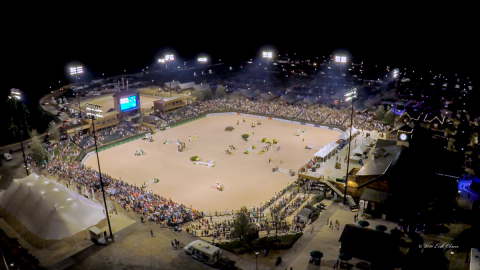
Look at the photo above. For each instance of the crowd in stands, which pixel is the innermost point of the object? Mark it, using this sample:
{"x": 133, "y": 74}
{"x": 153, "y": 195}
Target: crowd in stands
{"x": 316, "y": 114}
{"x": 130, "y": 197}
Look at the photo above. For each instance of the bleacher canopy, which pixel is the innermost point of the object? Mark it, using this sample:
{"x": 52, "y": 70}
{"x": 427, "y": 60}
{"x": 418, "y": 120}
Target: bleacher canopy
{"x": 359, "y": 149}
{"x": 48, "y": 209}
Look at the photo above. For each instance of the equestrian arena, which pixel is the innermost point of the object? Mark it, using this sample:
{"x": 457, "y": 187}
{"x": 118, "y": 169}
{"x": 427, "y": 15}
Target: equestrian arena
{"x": 246, "y": 179}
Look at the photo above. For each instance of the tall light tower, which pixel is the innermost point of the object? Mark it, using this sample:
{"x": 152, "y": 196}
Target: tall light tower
{"x": 169, "y": 58}
{"x": 202, "y": 60}
{"x": 75, "y": 71}
{"x": 268, "y": 55}
{"x": 93, "y": 112}
{"x": 341, "y": 61}
{"x": 396, "y": 77}
{"x": 16, "y": 95}
{"x": 351, "y": 95}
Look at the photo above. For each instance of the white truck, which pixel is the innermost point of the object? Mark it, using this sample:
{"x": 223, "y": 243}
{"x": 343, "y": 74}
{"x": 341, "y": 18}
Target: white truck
{"x": 204, "y": 252}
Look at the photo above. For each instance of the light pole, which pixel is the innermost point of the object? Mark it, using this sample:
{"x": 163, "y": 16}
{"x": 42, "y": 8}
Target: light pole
{"x": 268, "y": 55}
{"x": 203, "y": 60}
{"x": 256, "y": 260}
{"x": 75, "y": 71}
{"x": 16, "y": 95}
{"x": 341, "y": 61}
{"x": 351, "y": 95}
{"x": 451, "y": 254}
{"x": 94, "y": 108}
{"x": 169, "y": 58}
{"x": 396, "y": 73}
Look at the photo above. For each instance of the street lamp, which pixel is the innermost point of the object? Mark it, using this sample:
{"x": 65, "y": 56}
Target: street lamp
{"x": 75, "y": 71}
{"x": 16, "y": 95}
{"x": 256, "y": 260}
{"x": 351, "y": 95}
{"x": 94, "y": 114}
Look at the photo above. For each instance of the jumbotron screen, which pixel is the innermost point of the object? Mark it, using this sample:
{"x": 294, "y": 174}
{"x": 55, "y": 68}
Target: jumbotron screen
{"x": 127, "y": 103}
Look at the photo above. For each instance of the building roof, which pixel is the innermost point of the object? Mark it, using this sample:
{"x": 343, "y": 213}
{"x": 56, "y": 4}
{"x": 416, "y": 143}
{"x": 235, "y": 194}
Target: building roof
{"x": 366, "y": 244}
{"x": 289, "y": 98}
{"x": 267, "y": 96}
{"x": 174, "y": 84}
{"x": 201, "y": 87}
{"x": 186, "y": 85}
{"x": 380, "y": 165}
{"x": 310, "y": 100}
{"x": 373, "y": 195}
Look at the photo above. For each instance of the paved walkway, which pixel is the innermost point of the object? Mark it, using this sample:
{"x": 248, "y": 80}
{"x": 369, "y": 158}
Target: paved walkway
{"x": 324, "y": 239}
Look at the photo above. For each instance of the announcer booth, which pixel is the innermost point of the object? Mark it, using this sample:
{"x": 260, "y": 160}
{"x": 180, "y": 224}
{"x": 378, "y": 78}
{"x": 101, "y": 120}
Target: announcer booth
{"x": 127, "y": 103}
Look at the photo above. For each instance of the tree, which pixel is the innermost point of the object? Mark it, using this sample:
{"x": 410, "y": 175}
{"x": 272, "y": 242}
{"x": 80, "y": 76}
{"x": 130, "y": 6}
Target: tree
{"x": 53, "y": 131}
{"x": 36, "y": 147}
{"x": 380, "y": 113}
{"x": 241, "y": 225}
{"x": 245, "y": 137}
{"x": 388, "y": 118}
{"x": 207, "y": 93}
{"x": 220, "y": 92}
{"x": 198, "y": 95}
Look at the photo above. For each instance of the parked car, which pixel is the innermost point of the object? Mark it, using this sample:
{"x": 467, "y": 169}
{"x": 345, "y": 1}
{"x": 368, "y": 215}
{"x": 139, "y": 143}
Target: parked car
{"x": 7, "y": 156}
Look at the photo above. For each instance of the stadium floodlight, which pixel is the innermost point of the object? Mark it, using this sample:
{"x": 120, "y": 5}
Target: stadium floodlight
{"x": 267, "y": 54}
{"x": 351, "y": 95}
{"x": 95, "y": 108}
{"x": 395, "y": 73}
{"x": 161, "y": 60}
{"x": 76, "y": 70}
{"x": 16, "y": 95}
{"x": 169, "y": 58}
{"x": 202, "y": 59}
{"x": 340, "y": 59}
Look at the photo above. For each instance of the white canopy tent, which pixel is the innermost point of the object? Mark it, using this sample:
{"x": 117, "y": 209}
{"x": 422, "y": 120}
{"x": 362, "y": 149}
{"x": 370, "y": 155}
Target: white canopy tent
{"x": 322, "y": 153}
{"x": 343, "y": 136}
{"x": 359, "y": 150}
{"x": 368, "y": 141}
{"x": 48, "y": 209}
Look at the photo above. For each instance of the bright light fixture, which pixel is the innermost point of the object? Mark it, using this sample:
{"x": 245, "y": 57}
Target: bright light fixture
{"x": 169, "y": 57}
{"x": 76, "y": 70}
{"x": 202, "y": 59}
{"x": 340, "y": 59}
{"x": 268, "y": 55}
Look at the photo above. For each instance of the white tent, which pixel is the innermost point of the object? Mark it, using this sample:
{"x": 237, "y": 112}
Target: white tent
{"x": 322, "y": 153}
{"x": 348, "y": 131}
{"x": 359, "y": 149}
{"x": 48, "y": 209}
{"x": 368, "y": 141}
{"x": 343, "y": 136}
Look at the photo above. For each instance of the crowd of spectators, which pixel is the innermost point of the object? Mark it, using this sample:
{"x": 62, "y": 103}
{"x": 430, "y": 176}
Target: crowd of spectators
{"x": 316, "y": 114}
{"x": 138, "y": 199}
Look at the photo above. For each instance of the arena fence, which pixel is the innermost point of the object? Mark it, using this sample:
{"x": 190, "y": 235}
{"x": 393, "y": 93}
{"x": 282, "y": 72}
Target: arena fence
{"x": 84, "y": 154}
{"x": 259, "y": 115}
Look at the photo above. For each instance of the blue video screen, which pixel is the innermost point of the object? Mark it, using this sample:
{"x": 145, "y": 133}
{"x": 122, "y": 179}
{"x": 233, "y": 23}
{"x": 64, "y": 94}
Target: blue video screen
{"x": 127, "y": 103}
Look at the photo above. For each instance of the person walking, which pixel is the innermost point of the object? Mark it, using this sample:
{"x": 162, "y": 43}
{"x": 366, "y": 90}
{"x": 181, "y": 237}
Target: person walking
{"x": 151, "y": 233}
{"x": 270, "y": 160}
{"x": 264, "y": 253}
{"x": 173, "y": 246}
{"x": 141, "y": 219}
{"x": 311, "y": 230}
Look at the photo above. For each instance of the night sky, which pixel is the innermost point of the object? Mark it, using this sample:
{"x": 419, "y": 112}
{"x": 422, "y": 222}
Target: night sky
{"x": 39, "y": 42}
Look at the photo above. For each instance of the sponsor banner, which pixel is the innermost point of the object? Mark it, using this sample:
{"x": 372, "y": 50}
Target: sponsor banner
{"x": 303, "y": 124}
{"x": 167, "y": 128}
{"x": 309, "y": 125}
{"x": 330, "y": 128}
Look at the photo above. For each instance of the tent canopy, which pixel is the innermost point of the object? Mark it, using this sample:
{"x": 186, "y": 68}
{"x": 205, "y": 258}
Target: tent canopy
{"x": 368, "y": 141}
{"x": 359, "y": 150}
{"x": 48, "y": 209}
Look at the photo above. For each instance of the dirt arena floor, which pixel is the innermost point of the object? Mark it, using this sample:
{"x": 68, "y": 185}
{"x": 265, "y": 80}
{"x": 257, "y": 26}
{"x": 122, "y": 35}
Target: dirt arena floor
{"x": 247, "y": 179}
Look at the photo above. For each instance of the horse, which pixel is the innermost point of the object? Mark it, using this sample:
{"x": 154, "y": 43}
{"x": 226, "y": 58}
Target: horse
{"x": 228, "y": 152}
